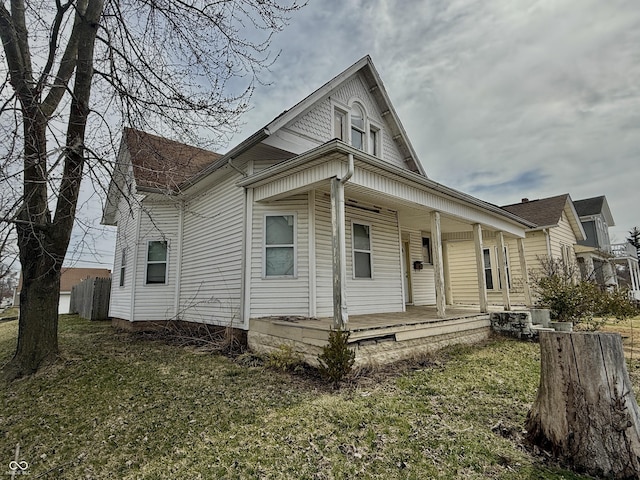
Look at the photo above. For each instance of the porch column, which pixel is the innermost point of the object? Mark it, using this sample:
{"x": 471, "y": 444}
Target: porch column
{"x": 502, "y": 266}
{"x": 525, "y": 273}
{"x": 438, "y": 268}
{"x": 482, "y": 281}
{"x": 339, "y": 254}
{"x": 448, "y": 293}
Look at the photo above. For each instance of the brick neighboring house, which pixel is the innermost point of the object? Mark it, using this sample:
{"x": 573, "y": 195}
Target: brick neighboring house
{"x": 69, "y": 278}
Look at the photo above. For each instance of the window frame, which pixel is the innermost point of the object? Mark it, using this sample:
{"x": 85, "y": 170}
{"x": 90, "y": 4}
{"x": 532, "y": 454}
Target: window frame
{"x": 359, "y": 250}
{"x": 294, "y": 275}
{"x": 488, "y": 269}
{"x": 427, "y": 259}
{"x": 123, "y": 266}
{"x": 343, "y": 112}
{"x": 157, "y": 262}
{"x": 506, "y": 261}
{"x": 362, "y": 131}
{"x": 374, "y": 146}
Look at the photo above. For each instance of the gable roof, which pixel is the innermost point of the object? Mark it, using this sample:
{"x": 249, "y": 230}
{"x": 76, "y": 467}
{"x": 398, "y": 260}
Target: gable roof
{"x": 547, "y": 212}
{"x": 162, "y": 164}
{"x": 71, "y": 276}
{"x": 379, "y": 93}
{"x": 543, "y": 212}
{"x": 595, "y": 206}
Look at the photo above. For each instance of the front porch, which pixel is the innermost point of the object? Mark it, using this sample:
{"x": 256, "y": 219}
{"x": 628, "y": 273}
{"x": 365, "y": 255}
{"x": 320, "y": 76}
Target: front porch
{"x": 376, "y": 338}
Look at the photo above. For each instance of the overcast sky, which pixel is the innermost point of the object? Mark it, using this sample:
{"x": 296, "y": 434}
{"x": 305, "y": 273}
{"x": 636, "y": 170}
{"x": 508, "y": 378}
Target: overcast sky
{"x": 502, "y": 99}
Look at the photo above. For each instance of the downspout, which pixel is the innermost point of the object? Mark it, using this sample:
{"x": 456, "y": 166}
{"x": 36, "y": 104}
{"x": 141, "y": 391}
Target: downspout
{"x": 176, "y": 305}
{"x": 350, "y": 168}
{"x": 229, "y": 162}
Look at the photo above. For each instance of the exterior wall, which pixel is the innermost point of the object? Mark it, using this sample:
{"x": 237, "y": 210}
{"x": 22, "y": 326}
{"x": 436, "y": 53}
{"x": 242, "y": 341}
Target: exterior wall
{"x": 316, "y": 124}
{"x": 127, "y": 219}
{"x": 211, "y": 273}
{"x": 462, "y": 263}
{"x": 422, "y": 281}
{"x": 280, "y": 296}
{"x": 158, "y": 221}
{"x": 382, "y": 293}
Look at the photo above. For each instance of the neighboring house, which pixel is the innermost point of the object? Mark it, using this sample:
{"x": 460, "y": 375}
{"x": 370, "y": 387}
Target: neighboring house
{"x": 324, "y": 212}
{"x": 557, "y": 229}
{"x": 68, "y": 279}
{"x": 597, "y": 256}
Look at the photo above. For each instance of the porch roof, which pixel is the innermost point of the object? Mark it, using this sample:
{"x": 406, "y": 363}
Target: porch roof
{"x": 382, "y": 183}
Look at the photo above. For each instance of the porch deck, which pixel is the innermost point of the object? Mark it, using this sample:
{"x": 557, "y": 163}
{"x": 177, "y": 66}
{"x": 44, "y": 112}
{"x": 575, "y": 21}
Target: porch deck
{"x": 376, "y": 338}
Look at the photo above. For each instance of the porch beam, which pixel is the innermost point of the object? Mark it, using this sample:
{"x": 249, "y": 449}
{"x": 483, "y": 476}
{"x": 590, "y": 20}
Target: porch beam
{"x": 339, "y": 254}
{"x": 438, "y": 265}
{"x": 482, "y": 282}
{"x": 525, "y": 273}
{"x": 502, "y": 266}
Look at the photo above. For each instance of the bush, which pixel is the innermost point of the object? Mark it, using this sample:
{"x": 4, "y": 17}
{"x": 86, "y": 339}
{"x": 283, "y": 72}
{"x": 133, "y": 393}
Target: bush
{"x": 336, "y": 359}
{"x": 285, "y": 359}
{"x": 583, "y": 303}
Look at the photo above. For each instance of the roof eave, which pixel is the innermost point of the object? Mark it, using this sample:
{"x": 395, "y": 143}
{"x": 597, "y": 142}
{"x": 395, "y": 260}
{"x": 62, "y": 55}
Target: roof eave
{"x": 341, "y": 147}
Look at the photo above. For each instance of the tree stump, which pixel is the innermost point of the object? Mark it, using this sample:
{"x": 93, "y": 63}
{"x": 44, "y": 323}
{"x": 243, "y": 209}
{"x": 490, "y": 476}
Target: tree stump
{"x": 585, "y": 413}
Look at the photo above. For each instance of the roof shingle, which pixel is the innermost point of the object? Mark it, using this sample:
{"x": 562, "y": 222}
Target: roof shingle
{"x": 543, "y": 212}
{"x": 163, "y": 164}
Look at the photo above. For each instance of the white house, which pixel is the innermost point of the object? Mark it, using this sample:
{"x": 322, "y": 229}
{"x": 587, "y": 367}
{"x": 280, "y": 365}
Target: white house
{"x": 324, "y": 212}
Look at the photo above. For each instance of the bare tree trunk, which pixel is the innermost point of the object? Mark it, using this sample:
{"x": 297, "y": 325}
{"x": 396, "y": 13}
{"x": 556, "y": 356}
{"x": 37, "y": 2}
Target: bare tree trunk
{"x": 585, "y": 412}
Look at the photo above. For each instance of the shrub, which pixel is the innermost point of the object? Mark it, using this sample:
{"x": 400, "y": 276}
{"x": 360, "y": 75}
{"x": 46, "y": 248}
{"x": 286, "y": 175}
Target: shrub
{"x": 284, "y": 358}
{"x": 336, "y": 359}
{"x": 584, "y": 303}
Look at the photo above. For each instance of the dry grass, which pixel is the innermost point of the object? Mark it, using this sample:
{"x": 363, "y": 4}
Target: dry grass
{"x": 118, "y": 406}
{"x": 630, "y": 331}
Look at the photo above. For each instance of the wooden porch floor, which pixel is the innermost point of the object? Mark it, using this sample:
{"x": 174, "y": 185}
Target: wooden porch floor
{"x": 380, "y": 337}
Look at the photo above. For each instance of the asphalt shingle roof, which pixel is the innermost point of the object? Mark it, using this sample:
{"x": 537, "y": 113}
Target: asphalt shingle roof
{"x": 589, "y": 206}
{"x": 543, "y": 212}
{"x": 164, "y": 164}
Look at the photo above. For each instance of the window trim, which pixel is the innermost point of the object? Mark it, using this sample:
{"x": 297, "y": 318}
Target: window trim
{"x": 343, "y": 110}
{"x": 359, "y": 250}
{"x": 123, "y": 266}
{"x": 425, "y": 260}
{"x": 374, "y": 148}
{"x": 362, "y": 131}
{"x": 264, "y": 246}
{"x": 507, "y": 264}
{"x": 489, "y": 268}
{"x": 155, "y": 262}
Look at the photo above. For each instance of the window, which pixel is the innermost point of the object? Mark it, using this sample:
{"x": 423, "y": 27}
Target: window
{"x": 357, "y": 127}
{"x": 426, "y": 250}
{"x": 361, "y": 251}
{"x": 488, "y": 273}
{"x": 123, "y": 265}
{"x": 339, "y": 124}
{"x": 506, "y": 262}
{"x": 373, "y": 142}
{"x": 279, "y": 252}
{"x": 157, "y": 262}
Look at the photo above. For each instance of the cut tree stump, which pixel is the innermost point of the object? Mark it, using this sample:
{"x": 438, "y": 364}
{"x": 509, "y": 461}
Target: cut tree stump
{"x": 585, "y": 413}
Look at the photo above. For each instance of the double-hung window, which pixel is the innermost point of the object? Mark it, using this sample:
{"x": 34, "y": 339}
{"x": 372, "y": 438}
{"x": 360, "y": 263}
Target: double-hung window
{"x": 488, "y": 272}
{"x": 157, "y": 262}
{"x": 357, "y": 127}
{"x": 339, "y": 124}
{"x": 279, "y": 246}
{"x": 361, "y": 251}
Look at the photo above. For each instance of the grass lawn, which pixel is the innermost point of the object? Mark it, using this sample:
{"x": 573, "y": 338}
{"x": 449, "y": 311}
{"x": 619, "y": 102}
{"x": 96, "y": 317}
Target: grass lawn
{"x": 118, "y": 406}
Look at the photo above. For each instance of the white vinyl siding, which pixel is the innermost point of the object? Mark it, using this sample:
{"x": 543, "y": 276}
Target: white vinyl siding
{"x": 283, "y": 295}
{"x": 422, "y": 281}
{"x": 158, "y": 221}
{"x": 210, "y": 288}
{"x": 127, "y": 220}
{"x": 318, "y": 124}
{"x": 382, "y": 293}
